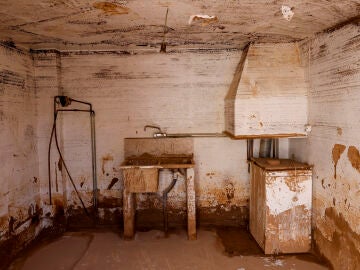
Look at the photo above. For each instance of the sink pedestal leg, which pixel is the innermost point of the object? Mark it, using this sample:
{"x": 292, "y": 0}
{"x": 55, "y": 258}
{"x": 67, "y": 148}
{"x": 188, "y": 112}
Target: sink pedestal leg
{"x": 191, "y": 206}
{"x": 129, "y": 214}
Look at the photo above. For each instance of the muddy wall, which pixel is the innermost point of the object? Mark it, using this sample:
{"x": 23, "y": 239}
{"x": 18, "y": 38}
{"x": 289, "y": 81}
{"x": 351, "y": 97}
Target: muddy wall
{"x": 333, "y": 75}
{"x": 20, "y": 206}
{"x": 183, "y": 92}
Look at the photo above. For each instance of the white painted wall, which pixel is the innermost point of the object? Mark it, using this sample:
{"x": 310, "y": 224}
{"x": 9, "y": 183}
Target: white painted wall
{"x": 19, "y": 176}
{"x": 181, "y": 92}
{"x": 333, "y": 74}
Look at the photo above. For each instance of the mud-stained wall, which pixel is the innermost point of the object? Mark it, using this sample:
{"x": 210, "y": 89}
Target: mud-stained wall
{"x": 182, "y": 92}
{"x": 20, "y": 206}
{"x": 333, "y": 145}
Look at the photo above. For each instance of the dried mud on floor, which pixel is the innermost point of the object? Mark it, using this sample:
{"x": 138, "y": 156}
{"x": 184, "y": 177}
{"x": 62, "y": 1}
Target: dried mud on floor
{"x": 227, "y": 248}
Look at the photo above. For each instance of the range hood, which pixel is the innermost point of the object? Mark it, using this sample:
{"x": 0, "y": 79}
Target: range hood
{"x": 268, "y": 94}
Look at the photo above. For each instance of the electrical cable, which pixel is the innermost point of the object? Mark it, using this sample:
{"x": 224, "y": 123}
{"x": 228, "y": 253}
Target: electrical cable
{"x": 49, "y": 153}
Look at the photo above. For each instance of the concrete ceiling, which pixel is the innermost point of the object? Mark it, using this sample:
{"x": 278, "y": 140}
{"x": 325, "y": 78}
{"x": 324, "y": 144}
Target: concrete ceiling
{"x": 123, "y": 25}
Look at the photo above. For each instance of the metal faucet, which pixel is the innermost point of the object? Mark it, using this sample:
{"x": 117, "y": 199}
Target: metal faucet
{"x": 158, "y": 134}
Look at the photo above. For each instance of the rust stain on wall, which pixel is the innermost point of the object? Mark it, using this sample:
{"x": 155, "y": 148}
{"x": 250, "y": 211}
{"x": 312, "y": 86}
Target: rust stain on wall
{"x": 354, "y": 157}
{"x": 111, "y": 8}
{"x": 105, "y": 159}
{"x": 337, "y": 151}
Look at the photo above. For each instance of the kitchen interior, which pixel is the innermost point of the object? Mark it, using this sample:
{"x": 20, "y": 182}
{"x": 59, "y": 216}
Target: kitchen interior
{"x": 180, "y": 134}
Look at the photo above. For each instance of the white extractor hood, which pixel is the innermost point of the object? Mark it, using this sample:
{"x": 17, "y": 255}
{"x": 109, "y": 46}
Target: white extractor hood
{"x": 268, "y": 94}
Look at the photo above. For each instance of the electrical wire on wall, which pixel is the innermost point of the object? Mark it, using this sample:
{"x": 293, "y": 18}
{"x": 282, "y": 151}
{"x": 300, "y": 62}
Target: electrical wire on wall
{"x": 65, "y": 101}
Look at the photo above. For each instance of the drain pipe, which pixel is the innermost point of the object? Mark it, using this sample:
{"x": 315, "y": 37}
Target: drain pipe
{"x": 265, "y": 148}
{"x": 165, "y": 193}
{"x": 250, "y": 152}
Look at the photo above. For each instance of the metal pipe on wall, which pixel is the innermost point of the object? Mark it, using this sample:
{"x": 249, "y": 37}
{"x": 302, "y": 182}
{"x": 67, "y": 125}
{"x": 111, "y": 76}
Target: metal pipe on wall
{"x": 265, "y": 148}
{"x": 66, "y": 101}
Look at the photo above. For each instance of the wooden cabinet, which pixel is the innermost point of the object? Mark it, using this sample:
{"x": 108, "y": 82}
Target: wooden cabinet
{"x": 280, "y": 205}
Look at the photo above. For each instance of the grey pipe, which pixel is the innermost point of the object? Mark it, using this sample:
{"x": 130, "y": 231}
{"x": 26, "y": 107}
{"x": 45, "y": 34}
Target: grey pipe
{"x": 93, "y": 155}
{"x": 265, "y": 148}
{"x": 165, "y": 193}
{"x": 183, "y": 135}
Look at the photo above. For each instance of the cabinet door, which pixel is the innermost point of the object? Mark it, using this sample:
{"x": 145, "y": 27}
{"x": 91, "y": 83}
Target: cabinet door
{"x": 288, "y": 216}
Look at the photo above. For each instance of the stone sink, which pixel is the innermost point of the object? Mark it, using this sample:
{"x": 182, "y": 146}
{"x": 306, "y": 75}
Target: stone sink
{"x": 141, "y": 173}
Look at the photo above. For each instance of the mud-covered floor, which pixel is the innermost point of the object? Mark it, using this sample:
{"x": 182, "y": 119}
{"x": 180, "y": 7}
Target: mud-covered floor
{"x": 227, "y": 248}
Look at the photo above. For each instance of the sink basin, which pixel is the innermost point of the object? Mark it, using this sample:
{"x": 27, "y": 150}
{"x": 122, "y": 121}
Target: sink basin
{"x": 141, "y": 173}
{"x": 163, "y": 161}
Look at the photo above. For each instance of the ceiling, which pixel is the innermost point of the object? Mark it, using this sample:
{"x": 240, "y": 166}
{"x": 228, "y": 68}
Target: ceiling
{"x": 123, "y": 25}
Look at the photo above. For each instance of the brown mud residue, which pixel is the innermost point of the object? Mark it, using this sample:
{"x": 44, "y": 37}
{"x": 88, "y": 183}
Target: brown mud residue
{"x": 354, "y": 157}
{"x": 337, "y": 151}
{"x": 289, "y": 231}
{"x": 111, "y": 8}
{"x": 105, "y": 159}
{"x": 223, "y": 215}
{"x": 294, "y": 183}
{"x": 236, "y": 242}
{"x": 20, "y": 243}
{"x": 339, "y": 131}
{"x": 149, "y": 219}
{"x": 4, "y": 223}
{"x": 341, "y": 249}
{"x": 109, "y": 201}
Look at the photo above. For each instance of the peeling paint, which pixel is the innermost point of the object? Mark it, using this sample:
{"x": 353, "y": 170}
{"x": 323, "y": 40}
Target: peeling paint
{"x": 287, "y": 12}
{"x": 202, "y": 19}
